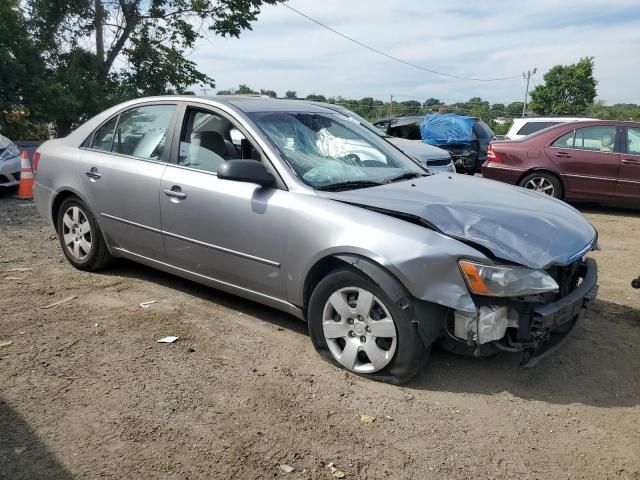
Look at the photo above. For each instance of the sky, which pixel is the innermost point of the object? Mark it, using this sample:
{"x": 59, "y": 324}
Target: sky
{"x": 483, "y": 39}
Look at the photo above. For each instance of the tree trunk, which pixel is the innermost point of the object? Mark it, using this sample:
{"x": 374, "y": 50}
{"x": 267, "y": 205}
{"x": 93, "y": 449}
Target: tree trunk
{"x": 99, "y": 33}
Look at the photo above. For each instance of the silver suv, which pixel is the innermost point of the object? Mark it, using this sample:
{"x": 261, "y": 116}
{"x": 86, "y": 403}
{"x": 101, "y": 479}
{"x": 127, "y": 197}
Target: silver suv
{"x": 300, "y": 207}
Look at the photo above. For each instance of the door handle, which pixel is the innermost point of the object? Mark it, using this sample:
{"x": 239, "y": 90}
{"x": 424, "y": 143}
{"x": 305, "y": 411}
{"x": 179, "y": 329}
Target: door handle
{"x": 92, "y": 173}
{"x": 175, "y": 192}
{"x": 562, "y": 155}
{"x": 631, "y": 161}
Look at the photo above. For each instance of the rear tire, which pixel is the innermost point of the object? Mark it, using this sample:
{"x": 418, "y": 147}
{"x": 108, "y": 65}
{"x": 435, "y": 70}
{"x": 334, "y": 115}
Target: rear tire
{"x": 543, "y": 182}
{"x": 349, "y": 340}
{"x": 80, "y": 236}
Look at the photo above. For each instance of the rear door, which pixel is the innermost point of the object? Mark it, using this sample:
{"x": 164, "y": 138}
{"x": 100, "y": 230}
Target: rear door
{"x": 121, "y": 166}
{"x": 588, "y": 161}
{"x": 629, "y": 178}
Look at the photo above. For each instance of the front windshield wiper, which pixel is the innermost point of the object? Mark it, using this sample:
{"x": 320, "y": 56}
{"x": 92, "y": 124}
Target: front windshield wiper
{"x": 407, "y": 176}
{"x": 348, "y": 185}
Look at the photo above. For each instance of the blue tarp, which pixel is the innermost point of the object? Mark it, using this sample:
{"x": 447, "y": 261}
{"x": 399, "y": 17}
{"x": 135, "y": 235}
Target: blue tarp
{"x": 446, "y": 129}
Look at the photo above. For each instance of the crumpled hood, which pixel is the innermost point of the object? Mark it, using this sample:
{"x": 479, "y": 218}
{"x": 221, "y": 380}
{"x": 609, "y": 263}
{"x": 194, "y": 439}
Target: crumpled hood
{"x": 515, "y": 224}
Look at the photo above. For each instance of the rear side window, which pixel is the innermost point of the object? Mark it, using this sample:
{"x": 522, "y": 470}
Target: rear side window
{"x": 599, "y": 139}
{"x": 533, "y": 127}
{"x": 103, "y": 139}
{"x": 140, "y": 132}
{"x": 633, "y": 141}
{"x": 482, "y": 130}
{"x": 408, "y": 131}
{"x": 565, "y": 141}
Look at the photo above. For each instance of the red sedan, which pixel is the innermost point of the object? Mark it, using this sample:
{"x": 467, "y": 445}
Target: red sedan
{"x": 595, "y": 160}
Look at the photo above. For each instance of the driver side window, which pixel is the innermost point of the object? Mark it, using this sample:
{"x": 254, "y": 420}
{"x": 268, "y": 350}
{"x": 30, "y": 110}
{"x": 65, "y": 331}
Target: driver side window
{"x": 209, "y": 139}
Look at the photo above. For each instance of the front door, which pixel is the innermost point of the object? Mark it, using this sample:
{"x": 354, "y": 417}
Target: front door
{"x": 588, "y": 161}
{"x": 229, "y": 231}
{"x": 121, "y": 169}
{"x": 629, "y": 179}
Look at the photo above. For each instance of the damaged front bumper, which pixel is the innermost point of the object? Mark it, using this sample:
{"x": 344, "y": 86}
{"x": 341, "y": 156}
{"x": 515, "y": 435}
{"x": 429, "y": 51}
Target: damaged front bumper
{"x": 535, "y": 326}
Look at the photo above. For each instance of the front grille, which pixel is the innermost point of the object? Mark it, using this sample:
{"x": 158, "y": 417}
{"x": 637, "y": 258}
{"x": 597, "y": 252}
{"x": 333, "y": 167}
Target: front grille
{"x": 439, "y": 163}
{"x": 566, "y": 277}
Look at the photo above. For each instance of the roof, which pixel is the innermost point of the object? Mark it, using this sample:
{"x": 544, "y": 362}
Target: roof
{"x": 256, "y": 103}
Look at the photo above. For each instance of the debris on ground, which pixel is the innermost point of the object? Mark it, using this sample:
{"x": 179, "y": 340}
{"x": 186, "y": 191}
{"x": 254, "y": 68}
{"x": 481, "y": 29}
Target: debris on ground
{"x": 18, "y": 269}
{"x": 286, "y": 468}
{"x": 335, "y": 472}
{"x": 147, "y": 304}
{"x": 169, "y": 339}
{"x": 59, "y": 302}
{"x": 5, "y": 343}
{"x": 367, "y": 419}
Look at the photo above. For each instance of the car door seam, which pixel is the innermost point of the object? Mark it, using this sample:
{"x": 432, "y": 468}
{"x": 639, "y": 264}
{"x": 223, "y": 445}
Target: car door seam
{"x": 236, "y": 253}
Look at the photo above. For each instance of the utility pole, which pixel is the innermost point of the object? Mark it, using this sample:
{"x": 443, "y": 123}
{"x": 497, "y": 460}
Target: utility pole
{"x": 204, "y": 91}
{"x": 390, "y": 105}
{"x": 527, "y": 77}
{"x": 99, "y": 36}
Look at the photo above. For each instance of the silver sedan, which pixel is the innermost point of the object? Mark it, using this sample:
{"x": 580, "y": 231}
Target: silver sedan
{"x": 302, "y": 208}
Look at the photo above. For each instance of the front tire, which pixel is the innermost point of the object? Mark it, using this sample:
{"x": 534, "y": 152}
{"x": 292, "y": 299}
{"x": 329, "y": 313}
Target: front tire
{"x": 354, "y": 324}
{"x": 80, "y": 236}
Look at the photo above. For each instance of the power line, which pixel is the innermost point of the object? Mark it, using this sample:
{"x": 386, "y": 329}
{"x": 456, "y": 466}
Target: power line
{"x": 396, "y": 58}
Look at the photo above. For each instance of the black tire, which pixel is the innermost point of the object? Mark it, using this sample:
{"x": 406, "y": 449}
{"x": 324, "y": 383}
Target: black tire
{"x": 549, "y": 177}
{"x": 410, "y": 352}
{"x": 98, "y": 256}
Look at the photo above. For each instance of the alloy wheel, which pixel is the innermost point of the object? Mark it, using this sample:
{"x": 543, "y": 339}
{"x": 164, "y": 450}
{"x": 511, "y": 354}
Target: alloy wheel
{"x": 540, "y": 184}
{"x": 76, "y": 233}
{"x": 359, "y": 330}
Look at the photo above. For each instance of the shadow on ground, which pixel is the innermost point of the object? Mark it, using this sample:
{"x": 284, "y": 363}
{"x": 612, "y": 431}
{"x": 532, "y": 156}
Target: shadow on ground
{"x": 596, "y": 366}
{"x": 22, "y": 454}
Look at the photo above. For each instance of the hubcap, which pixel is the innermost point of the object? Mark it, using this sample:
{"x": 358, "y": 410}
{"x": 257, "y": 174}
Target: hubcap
{"x": 359, "y": 330}
{"x": 540, "y": 184}
{"x": 76, "y": 233}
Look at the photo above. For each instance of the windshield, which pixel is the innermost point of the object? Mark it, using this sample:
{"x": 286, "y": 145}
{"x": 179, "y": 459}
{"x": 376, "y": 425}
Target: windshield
{"x": 327, "y": 150}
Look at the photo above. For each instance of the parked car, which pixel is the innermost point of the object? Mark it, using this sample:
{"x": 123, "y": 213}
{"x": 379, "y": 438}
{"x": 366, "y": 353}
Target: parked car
{"x": 595, "y": 160}
{"x": 468, "y": 150}
{"x": 10, "y": 163}
{"x": 433, "y": 158}
{"x": 257, "y": 197}
{"x": 521, "y": 127}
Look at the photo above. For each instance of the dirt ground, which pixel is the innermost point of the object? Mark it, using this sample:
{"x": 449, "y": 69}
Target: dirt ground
{"x": 87, "y": 392}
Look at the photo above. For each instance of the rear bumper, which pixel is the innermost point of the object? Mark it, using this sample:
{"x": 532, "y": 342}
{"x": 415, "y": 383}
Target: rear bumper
{"x": 501, "y": 173}
{"x": 553, "y": 323}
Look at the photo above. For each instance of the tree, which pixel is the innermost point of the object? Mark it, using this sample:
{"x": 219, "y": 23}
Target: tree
{"x": 514, "y": 109}
{"x": 290, "y": 94}
{"x": 316, "y": 98}
{"x": 144, "y": 53}
{"x": 432, "y": 102}
{"x": 270, "y": 93}
{"x": 567, "y": 89}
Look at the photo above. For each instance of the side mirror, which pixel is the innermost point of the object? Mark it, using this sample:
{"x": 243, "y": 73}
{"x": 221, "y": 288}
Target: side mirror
{"x": 250, "y": 171}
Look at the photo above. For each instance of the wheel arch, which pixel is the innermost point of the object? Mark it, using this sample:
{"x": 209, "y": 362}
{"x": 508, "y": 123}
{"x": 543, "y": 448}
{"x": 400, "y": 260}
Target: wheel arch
{"x": 60, "y": 197}
{"x": 372, "y": 269}
{"x": 547, "y": 171}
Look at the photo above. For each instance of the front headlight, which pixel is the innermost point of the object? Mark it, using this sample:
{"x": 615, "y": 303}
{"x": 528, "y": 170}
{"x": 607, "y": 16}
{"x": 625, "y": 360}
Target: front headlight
{"x": 11, "y": 151}
{"x": 505, "y": 281}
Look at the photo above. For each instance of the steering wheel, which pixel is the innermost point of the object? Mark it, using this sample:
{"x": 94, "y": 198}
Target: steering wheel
{"x": 352, "y": 159}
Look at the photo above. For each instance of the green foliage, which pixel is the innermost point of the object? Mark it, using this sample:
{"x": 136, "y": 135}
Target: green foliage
{"x": 290, "y": 94}
{"x": 70, "y": 78}
{"x": 514, "y": 109}
{"x": 618, "y": 111}
{"x": 568, "y": 90}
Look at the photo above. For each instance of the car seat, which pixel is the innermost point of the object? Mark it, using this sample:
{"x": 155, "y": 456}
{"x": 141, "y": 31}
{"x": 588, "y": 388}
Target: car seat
{"x": 212, "y": 141}
{"x": 606, "y": 143}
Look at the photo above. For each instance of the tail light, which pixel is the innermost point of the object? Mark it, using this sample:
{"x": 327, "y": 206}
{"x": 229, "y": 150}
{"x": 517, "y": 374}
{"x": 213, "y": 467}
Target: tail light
{"x": 36, "y": 161}
{"x": 491, "y": 154}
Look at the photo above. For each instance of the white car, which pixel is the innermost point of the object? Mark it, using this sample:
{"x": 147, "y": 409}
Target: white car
{"x": 521, "y": 127}
{"x": 9, "y": 163}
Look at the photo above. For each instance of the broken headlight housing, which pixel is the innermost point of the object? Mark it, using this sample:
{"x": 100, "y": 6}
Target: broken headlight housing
{"x": 505, "y": 280}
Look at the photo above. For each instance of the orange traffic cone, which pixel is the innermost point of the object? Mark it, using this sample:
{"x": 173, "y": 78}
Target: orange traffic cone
{"x": 25, "y": 190}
